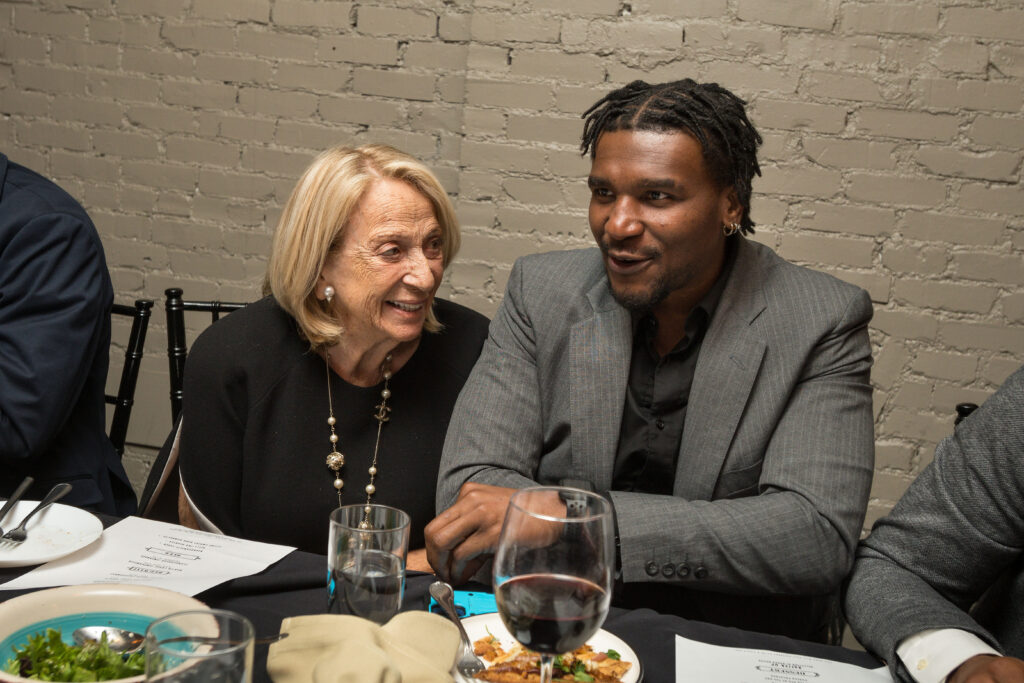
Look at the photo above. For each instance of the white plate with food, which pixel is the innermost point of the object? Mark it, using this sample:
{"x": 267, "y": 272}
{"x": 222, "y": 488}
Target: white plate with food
{"x": 57, "y": 531}
{"x": 486, "y": 625}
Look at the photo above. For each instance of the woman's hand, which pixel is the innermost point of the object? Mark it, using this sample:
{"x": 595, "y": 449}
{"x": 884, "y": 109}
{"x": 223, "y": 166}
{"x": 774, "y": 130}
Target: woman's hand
{"x": 416, "y": 561}
{"x": 185, "y": 516}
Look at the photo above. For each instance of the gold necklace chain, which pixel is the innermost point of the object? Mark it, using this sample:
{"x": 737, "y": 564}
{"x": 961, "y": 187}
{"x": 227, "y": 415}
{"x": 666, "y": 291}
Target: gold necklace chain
{"x": 335, "y": 460}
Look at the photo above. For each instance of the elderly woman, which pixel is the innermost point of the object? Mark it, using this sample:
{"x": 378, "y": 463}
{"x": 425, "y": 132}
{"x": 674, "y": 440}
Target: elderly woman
{"x": 336, "y": 388}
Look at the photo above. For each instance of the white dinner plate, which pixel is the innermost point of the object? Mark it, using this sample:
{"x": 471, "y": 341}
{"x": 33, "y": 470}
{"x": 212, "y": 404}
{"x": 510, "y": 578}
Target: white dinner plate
{"x": 55, "y": 532}
{"x": 482, "y": 625}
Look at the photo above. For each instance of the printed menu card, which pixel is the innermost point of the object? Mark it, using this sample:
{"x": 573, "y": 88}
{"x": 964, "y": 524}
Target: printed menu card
{"x": 696, "y": 661}
{"x": 146, "y": 552}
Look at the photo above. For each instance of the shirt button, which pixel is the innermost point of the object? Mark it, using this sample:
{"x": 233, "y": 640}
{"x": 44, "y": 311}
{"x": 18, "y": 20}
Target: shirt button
{"x": 651, "y": 568}
{"x": 700, "y": 572}
{"x": 660, "y": 424}
{"x": 668, "y": 571}
{"x": 683, "y": 570}
{"x": 922, "y": 664}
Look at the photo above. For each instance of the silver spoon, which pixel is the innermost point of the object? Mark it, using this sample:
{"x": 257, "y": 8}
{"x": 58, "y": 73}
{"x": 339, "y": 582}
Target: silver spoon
{"x": 119, "y": 639}
{"x": 126, "y": 642}
{"x": 468, "y": 664}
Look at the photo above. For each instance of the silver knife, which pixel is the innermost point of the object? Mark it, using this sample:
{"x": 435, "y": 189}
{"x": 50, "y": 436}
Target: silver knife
{"x": 15, "y": 497}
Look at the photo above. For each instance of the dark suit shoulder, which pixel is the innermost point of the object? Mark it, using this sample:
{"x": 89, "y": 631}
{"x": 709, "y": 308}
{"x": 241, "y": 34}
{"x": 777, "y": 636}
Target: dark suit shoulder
{"x": 31, "y": 193}
{"x": 570, "y": 267}
{"x": 563, "y": 276}
{"x": 807, "y": 292}
{"x": 991, "y": 439}
{"x": 784, "y": 273}
{"x": 34, "y": 208}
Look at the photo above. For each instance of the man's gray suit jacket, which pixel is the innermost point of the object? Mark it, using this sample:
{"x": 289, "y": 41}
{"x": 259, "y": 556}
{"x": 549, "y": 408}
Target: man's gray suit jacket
{"x": 777, "y": 452}
{"x": 955, "y": 540}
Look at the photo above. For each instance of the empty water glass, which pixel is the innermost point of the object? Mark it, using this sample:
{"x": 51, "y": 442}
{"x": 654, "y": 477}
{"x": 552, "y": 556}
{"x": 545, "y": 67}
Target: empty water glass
{"x": 200, "y": 645}
{"x": 366, "y": 561}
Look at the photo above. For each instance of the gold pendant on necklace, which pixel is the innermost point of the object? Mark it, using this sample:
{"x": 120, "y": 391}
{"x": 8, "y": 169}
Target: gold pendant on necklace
{"x": 335, "y": 460}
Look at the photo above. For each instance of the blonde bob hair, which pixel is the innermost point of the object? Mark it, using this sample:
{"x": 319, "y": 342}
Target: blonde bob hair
{"x": 314, "y": 220}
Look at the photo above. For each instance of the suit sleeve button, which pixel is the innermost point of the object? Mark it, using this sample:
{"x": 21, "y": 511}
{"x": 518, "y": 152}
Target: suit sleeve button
{"x": 683, "y": 570}
{"x": 700, "y": 572}
{"x": 668, "y": 571}
{"x": 651, "y": 568}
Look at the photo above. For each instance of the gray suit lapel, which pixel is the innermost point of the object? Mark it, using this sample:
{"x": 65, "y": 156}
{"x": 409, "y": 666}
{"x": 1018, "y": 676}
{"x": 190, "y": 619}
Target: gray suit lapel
{"x": 730, "y": 357}
{"x": 599, "y": 354}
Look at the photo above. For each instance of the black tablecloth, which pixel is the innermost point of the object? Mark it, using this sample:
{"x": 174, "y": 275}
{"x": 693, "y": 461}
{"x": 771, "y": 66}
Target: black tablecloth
{"x": 296, "y": 585}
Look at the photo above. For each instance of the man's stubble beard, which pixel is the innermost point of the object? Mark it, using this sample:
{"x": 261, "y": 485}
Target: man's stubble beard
{"x": 641, "y": 301}
{"x": 645, "y": 300}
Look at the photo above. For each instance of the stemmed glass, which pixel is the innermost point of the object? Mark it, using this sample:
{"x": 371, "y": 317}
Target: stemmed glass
{"x": 553, "y": 569}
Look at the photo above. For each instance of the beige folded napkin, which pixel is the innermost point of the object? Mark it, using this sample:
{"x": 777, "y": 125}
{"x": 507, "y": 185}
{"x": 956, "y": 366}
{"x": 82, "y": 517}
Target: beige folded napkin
{"x": 414, "y": 647}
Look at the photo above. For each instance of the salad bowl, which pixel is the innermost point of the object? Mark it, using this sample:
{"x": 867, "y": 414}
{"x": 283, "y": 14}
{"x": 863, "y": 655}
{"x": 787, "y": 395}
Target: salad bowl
{"x": 70, "y": 607}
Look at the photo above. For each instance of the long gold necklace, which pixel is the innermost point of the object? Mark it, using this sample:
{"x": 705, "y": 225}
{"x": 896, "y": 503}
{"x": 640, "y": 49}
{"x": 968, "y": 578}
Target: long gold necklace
{"x": 335, "y": 460}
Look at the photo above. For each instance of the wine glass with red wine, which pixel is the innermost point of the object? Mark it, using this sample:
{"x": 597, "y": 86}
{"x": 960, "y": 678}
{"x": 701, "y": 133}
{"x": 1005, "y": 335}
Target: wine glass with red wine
{"x": 553, "y": 569}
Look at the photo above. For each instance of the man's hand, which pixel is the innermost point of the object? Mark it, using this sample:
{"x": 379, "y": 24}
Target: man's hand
{"x": 989, "y": 669}
{"x": 463, "y": 537}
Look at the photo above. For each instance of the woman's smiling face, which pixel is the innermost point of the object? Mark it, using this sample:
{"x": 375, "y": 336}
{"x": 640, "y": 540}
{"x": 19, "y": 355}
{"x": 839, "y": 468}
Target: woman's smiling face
{"x": 388, "y": 265}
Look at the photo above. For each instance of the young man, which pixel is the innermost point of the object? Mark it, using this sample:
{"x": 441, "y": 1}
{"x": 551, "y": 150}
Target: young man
{"x": 717, "y": 394}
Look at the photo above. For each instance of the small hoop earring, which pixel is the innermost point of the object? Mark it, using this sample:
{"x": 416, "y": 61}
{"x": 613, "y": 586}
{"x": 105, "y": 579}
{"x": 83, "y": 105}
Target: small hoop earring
{"x": 731, "y": 229}
{"x": 329, "y": 293}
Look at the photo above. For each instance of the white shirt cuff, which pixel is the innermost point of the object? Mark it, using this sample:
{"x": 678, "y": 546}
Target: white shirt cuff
{"x": 931, "y": 655}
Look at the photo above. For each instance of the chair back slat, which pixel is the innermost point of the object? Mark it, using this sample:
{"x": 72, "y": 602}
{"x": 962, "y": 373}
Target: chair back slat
{"x": 177, "y": 347}
{"x": 124, "y": 400}
{"x": 963, "y": 410}
{"x": 160, "y": 495}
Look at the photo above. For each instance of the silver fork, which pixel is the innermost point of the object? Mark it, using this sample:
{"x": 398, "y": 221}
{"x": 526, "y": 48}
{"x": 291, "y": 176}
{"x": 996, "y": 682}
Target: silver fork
{"x": 18, "y": 533}
{"x": 468, "y": 664}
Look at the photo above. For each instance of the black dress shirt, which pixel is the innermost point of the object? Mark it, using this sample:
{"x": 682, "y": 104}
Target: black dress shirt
{"x": 657, "y": 395}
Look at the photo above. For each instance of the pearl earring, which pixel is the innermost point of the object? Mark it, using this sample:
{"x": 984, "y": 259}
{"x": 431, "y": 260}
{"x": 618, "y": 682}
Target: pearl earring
{"x": 328, "y": 293}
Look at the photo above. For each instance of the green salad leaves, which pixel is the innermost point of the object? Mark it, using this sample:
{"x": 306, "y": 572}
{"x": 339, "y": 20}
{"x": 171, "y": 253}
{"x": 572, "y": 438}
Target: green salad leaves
{"x": 47, "y": 658}
{"x": 578, "y": 669}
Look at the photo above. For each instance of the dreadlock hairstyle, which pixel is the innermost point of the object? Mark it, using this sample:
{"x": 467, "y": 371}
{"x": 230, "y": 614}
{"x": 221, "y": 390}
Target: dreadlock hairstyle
{"x": 707, "y": 111}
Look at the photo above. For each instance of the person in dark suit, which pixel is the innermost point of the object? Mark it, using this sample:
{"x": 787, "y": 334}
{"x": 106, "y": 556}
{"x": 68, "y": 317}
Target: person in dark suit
{"x": 717, "y": 394}
{"x": 938, "y": 587}
{"x": 55, "y": 299}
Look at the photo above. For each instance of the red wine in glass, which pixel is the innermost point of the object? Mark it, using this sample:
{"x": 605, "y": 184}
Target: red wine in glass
{"x": 551, "y": 613}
